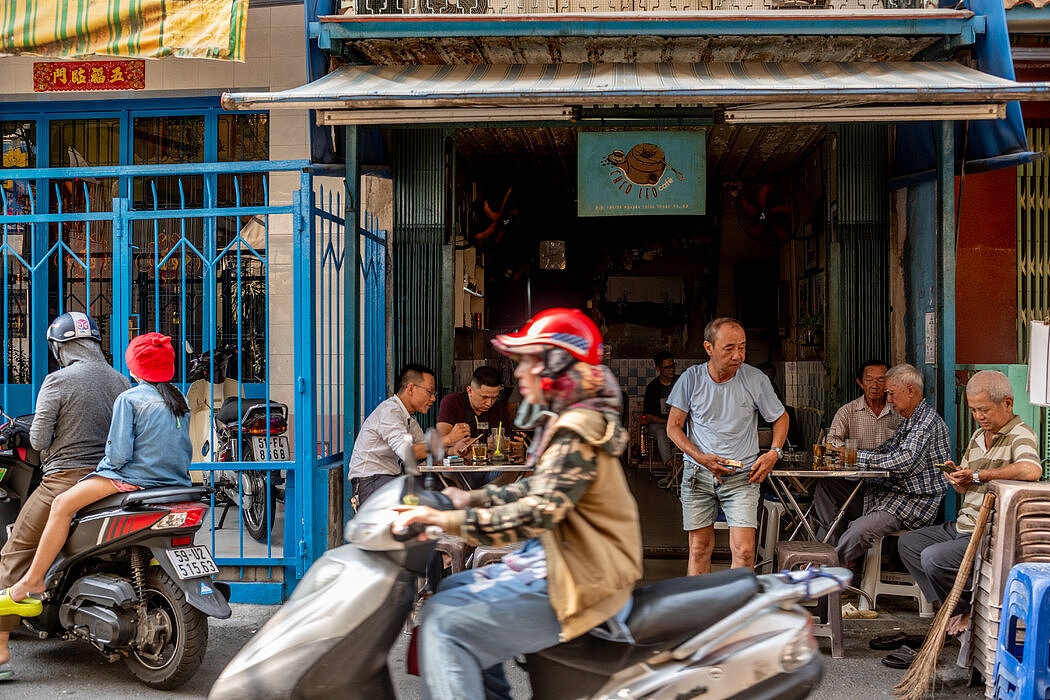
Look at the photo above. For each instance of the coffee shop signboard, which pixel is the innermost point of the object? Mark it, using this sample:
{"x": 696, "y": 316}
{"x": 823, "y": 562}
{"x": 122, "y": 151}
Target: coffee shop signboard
{"x": 626, "y": 173}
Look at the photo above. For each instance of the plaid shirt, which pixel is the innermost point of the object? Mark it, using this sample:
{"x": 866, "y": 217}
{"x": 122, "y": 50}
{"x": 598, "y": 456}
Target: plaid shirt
{"x": 856, "y": 420}
{"x": 915, "y": 488}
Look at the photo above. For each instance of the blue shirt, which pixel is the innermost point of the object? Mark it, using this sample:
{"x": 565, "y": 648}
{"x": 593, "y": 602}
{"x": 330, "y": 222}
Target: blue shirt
{"x": 147, "y": 445}
{"x": 724, "y": 416}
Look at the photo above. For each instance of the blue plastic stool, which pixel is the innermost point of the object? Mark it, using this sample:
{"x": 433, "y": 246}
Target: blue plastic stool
{"x": 1022, "y": 666}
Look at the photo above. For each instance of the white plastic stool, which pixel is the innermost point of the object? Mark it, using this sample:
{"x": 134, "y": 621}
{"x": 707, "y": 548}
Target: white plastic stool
{"x": 770, "y": 534}
{"x": 875, "y": 581}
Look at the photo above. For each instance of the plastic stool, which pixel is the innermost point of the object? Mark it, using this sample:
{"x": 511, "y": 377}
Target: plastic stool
{"x": 1022, "y": 657}
{"x": 456, "y": 549}
{"x": 875, "y": 581}
{"x": 484, "y": 554}
{"x": 770, "y": 533}
{"x": 791, "y": 555}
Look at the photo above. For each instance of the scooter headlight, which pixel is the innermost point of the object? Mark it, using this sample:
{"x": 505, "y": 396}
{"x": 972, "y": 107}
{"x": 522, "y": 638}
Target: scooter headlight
{"x": 800, "y": 650}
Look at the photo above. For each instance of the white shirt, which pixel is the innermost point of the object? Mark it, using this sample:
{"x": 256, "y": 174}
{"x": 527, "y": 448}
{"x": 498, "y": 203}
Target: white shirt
{"x": 381, "y": 438}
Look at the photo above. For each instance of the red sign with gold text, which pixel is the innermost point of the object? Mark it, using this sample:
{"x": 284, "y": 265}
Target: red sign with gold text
{"x": 52, "y": 76}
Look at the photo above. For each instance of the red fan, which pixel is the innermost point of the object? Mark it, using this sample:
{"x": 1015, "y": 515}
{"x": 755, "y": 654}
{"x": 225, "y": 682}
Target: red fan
{"x": 767, "y": 212}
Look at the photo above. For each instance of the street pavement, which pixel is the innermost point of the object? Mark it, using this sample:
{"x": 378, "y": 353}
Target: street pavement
{"x": 56, "y": 670}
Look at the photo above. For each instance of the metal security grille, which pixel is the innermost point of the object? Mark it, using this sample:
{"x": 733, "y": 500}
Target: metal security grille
{"x": 420, "y": 214}
{"x": 1033, "y": 238}
{"x": 863, "y": 232}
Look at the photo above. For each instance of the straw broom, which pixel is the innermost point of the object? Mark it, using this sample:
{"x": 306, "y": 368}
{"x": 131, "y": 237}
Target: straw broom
{"x": 918, "y": 681}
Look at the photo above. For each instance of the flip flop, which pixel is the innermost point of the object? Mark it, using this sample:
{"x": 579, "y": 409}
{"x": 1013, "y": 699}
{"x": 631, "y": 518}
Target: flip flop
{"x": 6, "y": 674}
{"x": 889, "y": 642}
{"x": 902, "y": 658}
{"x": 29, "y": 607}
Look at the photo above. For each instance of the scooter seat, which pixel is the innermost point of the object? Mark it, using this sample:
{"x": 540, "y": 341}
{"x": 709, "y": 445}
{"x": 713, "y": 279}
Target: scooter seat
{"x": 677, "y": 608}
{"x": 164, "y": 494}
{"x": 228, "y": 412}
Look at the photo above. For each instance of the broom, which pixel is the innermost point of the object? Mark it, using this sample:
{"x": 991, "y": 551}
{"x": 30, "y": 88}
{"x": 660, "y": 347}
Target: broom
{"x": 918, "y": 681}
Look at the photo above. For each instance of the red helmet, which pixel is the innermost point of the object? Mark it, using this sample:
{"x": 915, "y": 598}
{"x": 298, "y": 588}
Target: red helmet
{"x": 569, "y": 329}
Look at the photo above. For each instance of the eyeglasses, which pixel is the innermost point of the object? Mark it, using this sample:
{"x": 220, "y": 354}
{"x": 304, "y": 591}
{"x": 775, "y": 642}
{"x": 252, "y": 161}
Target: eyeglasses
{"x": 432, "y": 392}
{"x": 670, "y": 365}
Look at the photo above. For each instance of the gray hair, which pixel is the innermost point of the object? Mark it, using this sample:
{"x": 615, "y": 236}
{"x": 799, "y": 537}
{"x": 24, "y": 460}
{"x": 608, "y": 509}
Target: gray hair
{"x": 905, "y": 374}
{"x": 711, "y": 329}
{"x": 992, "y": 382}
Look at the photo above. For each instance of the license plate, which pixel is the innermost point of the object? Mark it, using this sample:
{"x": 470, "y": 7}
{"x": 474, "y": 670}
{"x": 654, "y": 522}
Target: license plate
{"x": 278, "y": 448}
{"x": 192, "y": 562}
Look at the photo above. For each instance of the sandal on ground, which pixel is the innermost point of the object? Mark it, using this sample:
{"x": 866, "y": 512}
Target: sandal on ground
{"x": 902, "y": 658}
{"x": 6, "y": 674}
{"x": 895, "y": 640}
{"x": 852, "y": 612}
{"x": 29, "y": 607}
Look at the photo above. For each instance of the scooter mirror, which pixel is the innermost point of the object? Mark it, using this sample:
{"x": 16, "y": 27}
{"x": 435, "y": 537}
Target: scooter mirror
{"x": 435, "y": 447}
{"x": 407, "y": 454}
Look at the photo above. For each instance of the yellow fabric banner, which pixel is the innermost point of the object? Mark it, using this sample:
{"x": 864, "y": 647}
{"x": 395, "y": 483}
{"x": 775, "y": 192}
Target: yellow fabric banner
{"x": 142, "y": 28}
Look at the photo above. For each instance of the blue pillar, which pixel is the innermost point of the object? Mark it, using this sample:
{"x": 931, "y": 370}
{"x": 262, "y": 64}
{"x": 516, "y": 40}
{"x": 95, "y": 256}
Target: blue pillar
{"x": 351, "y": 308}
{"x": 946, "y": 285}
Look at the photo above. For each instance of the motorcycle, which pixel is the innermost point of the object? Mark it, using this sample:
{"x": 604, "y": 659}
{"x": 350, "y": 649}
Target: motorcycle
{"x": 242, "y": 437}
{"x": 129, "y": 580}
{"x": 20, "y": 470}
{"x": 727, "y": 634}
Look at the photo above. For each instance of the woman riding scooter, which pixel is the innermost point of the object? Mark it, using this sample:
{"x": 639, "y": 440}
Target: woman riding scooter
{"x": 582, "y": 553}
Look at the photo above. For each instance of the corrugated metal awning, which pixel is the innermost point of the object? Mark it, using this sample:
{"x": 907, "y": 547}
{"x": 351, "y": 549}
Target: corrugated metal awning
{"x": 709, "y": 84}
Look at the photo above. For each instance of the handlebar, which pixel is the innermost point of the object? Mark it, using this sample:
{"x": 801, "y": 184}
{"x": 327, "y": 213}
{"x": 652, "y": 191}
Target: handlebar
{"x": 404, "y": 534}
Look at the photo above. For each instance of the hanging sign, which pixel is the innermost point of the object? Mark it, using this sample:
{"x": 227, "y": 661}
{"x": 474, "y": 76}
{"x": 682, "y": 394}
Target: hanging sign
{"x": 67, "y": 76}
{"x": 627, "y": 173}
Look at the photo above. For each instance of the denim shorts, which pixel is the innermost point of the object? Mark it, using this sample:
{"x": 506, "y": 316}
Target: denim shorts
{"x": 702, "y": 496}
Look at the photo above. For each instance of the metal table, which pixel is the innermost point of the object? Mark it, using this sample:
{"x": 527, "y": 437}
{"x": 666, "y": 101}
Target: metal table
{"x": 460, "y": 469}
{"x": 779, "y": 477}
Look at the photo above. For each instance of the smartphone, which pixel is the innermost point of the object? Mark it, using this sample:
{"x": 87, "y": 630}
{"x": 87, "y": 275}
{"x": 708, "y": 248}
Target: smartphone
{"x": 946, "y": 468}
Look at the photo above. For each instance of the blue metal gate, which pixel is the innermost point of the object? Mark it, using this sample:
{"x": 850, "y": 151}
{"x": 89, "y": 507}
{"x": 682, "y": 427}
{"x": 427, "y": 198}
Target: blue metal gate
{"x": 373, "y": 275}
{"x": 209, "y": 254}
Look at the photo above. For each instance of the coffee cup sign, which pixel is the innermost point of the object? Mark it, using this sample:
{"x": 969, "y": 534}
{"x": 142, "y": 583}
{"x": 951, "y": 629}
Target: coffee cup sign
{"x": 640, "y": 171}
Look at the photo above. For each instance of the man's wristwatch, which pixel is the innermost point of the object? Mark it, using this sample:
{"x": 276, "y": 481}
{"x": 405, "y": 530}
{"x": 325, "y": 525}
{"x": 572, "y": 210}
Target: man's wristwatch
{"x": 779, "y": 451}
{"x": 976, "y": 478}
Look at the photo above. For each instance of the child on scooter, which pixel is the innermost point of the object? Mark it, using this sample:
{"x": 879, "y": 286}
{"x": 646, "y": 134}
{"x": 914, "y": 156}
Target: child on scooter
{"x": 148, "y": 446}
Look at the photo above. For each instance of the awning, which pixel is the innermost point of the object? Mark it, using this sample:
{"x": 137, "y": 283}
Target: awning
{"x": 144, "y": 28}
{"x": 542, "y": 87}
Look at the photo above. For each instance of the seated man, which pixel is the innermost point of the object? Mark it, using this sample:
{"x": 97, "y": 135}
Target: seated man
{"x": 868, "y": 419}
{"x": 375, "y": 461}
{"x": 655, "y": 405}
{"x": 1003, "y": 447}
{"x": 911, "y": 496}
{"x": 474, "y": 413}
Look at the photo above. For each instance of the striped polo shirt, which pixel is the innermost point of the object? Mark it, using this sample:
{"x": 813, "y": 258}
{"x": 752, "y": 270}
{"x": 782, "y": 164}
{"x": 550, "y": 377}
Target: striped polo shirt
{"x": 1015, "y": 442}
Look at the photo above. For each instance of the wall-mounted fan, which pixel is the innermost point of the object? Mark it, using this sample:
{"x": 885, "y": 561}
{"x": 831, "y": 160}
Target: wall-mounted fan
{"x": 767, "y": 212}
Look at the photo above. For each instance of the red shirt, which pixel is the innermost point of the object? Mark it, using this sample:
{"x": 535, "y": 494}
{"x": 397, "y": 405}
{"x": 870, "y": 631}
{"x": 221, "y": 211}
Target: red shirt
{"x": 455, "y": 408}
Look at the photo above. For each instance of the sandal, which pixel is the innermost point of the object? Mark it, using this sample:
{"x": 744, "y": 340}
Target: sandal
{"x": 6, "y": 674}
{"x": 29, "y": 607}
{"x": 889, "y": 642}
{"x": 902, "y": 658}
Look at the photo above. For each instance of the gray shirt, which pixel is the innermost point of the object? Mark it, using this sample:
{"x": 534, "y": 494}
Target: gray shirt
{"x": 724, "y": 415}
{"x": 74, "y": 408}
{"x": 381, "y": 438}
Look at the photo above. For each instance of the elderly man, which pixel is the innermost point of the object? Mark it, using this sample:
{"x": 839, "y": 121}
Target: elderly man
{"x": 911, "y": 496}
{"x": 869, "y": 419}
{"x": 375, "y": 459}
{"x": 723, "y": 467}
{"x": 1002, "y": 447}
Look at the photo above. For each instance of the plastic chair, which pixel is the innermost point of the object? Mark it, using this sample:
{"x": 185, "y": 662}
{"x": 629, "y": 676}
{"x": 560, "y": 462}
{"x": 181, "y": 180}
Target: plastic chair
{"x": 1022, "y": 657}
{"x": 793, "y": 555}
{"x": 767, "y": 541}
{"x": 456, "y": 549}
{"x": 875, "y": 581}
{"x": 485, "y": 554}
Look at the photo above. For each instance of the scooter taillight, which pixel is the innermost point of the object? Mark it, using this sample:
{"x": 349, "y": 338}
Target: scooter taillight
{"x": 182, "y": 515}
{"x": 258, "y": 426}
{"x": 126, "y": 524}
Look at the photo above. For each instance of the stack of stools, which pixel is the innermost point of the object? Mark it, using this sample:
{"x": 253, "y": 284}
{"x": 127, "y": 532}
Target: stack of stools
{"x": 1022, "y": 665}
{"x": 1018, "y": 532}
{"x": 798, "y": 555}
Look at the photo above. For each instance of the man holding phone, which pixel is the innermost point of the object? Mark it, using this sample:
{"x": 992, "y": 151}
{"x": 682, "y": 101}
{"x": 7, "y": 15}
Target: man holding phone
{"x": 1002, "y": 447}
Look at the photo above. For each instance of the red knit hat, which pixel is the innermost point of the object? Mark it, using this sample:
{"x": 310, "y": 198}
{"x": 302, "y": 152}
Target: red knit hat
{"x": 151, "y": 358}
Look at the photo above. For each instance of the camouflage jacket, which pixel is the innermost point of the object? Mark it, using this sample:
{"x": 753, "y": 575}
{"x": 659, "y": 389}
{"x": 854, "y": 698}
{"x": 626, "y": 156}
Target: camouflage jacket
{"x": 579, "y": 505}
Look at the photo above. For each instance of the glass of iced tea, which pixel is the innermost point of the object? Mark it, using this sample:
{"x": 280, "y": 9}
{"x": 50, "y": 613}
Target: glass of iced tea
{"x": 818, "y": 456}
{"x": 479, "y": 452}
{"x": 851, "y": 453}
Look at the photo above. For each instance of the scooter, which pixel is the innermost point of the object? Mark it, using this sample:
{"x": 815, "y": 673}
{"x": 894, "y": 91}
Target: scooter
{"x": 129, "y": 579}
{"x": 730, "y": 634}
{"x": 249, "y": 436}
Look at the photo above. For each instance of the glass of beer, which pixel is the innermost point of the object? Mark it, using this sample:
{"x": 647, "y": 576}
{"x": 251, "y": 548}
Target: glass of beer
{"x": 851, "y": 453}
{"x": 479, "y": 451}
